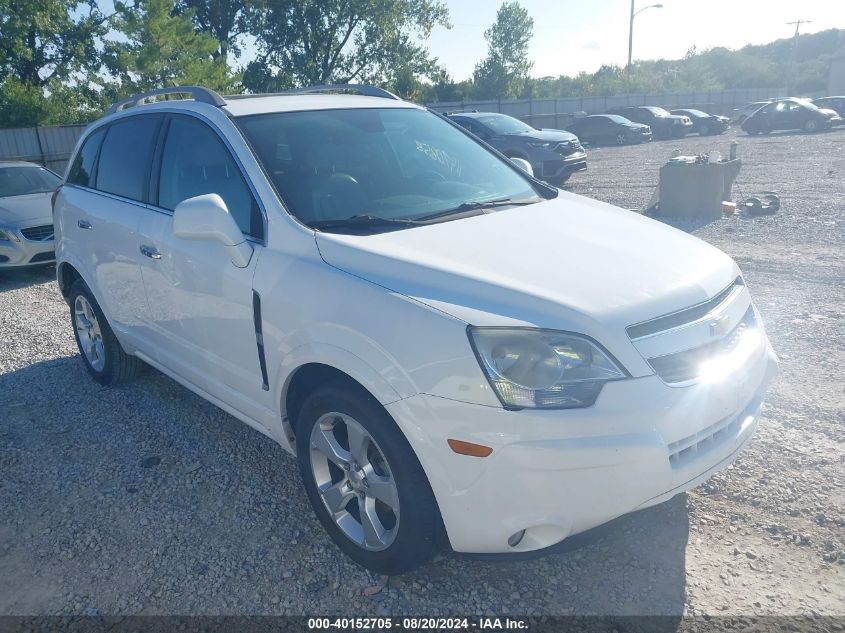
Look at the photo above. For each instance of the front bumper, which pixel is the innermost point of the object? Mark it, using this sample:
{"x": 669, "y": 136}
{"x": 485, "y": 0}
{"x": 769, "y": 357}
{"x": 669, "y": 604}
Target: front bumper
{"x": 560, "y": 166}
{"x": 20, "y": 251}
{"x": 557, "y": 473}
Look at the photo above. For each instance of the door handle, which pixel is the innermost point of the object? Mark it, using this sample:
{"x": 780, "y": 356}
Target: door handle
{"x": 84, "y": 224}
{"x": 150, "y": 251}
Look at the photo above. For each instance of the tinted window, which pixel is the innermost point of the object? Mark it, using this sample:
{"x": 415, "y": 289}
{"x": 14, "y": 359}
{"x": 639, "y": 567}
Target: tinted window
{"x": 504, "y": 124}
{"x": 124, "y": 163}
{"x": 19, "y": 181}
{"x": 195, "y": 162}
{"x": 82, "y": 170}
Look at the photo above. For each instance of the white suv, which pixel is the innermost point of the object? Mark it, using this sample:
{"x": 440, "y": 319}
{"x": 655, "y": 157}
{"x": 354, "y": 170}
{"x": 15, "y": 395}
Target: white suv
{"x": 454, "y": 351}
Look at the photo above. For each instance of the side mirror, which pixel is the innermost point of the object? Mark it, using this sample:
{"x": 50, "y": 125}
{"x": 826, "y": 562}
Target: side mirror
{"x": 207, "y": 218}
{"x": 524, "y": 165}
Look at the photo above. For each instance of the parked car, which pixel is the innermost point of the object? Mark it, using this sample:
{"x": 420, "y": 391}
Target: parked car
{"x": 454, "y": 351}
{"x": 662, "y": 124}
{"x": 554, "y": 155}
{"x": 606, "y": 129}
{"x": 704, "y": 124}
{"x": 743, "y": 112}
{"x": 26, "y": 218}
{"x": 837, "y": 104}
{"x": 789, "y": 114}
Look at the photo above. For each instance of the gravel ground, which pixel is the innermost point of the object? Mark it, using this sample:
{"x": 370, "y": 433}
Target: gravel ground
{"x": 148, "y": 500}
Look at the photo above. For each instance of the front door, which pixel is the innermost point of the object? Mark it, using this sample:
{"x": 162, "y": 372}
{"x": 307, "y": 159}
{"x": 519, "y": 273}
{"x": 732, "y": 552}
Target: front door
{"x": 200, "y": 303}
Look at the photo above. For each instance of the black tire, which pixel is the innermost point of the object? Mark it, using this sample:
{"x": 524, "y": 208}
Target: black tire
{"x": 704, "y": 130}
{"x": 117, "y": 365}
{"x": 621, "y": 138}
{"x": 811, "y": 126}
{"x": 419, "y": 529}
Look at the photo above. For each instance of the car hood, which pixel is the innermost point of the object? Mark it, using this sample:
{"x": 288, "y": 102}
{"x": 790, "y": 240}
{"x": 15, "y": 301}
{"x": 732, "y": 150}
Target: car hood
{"x": 566, "y": 263}
{"x": 635, "y": 125}
{"x": 554, "y": 136}
{"x": 829, "y": 113}
{"x": 26, "y": 210}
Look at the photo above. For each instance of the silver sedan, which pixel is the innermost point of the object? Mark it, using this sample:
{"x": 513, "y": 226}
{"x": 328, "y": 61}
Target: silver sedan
{"x": 26, "y": 214}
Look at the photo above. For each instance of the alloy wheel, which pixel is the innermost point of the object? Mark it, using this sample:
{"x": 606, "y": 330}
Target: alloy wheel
{"x": 89, "y": 333}
{"x": 354, "y": 481}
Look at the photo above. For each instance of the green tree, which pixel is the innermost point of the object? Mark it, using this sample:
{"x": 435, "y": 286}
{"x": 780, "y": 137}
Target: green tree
{"x": 162, "y": 48}
{"x": 47, "y": 55}
{"x": 505, "y": 71}
{"x": 224, "y": 20}
{"x": 305, "y": 42}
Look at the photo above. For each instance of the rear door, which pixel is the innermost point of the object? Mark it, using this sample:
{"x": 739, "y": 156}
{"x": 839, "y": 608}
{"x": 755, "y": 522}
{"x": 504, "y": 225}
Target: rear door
{"x": 201, "y": 305}
{"x": 104, "y": 203}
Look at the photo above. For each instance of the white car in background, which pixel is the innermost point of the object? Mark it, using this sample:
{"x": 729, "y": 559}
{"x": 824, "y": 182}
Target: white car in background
{"x": 26, "y": 217}
{"x": 454, "y": 351}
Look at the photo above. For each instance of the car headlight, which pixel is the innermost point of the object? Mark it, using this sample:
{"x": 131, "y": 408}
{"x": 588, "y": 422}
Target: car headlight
{"x": 543, "y": 144}
{"x": 8, "y": 235}
{"x": 543, "y": 369}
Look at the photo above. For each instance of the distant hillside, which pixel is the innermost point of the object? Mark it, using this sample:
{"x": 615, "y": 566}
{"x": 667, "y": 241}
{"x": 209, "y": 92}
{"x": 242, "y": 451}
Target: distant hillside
{"x": 801, "y": 65}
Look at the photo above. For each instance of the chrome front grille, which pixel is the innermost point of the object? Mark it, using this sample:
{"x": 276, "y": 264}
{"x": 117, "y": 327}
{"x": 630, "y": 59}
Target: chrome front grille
{"x": 682, "y": 317}
{"x": 686, "y": 365}
{"x": 38, "y": 233}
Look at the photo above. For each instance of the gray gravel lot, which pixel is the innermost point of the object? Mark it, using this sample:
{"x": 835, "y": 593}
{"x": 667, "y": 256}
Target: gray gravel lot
{"x": 148, "y": 500}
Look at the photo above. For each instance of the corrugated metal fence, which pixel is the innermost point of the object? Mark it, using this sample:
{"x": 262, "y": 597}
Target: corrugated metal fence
{"x": 50, "y": 146}
{"x": 557, "y": 112}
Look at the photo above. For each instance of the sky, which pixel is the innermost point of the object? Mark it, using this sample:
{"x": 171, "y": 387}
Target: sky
{"x": 575, "y": 35}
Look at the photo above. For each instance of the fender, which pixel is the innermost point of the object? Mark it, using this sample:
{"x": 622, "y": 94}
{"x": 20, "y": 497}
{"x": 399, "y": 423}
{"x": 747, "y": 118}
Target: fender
{"x": 339, "y": 358}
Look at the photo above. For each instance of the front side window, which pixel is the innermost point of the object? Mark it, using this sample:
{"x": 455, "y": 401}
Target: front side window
{"x": 124, "y": 163}
{"x": 82, "y": 171}
{"x": 195, "y": 162}
{"x": 24, "y": 180}
{"x": 392, "y": 163}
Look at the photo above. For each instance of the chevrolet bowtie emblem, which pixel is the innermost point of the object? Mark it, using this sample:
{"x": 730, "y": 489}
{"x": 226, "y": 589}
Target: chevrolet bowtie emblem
{"x": 720, "y": 325}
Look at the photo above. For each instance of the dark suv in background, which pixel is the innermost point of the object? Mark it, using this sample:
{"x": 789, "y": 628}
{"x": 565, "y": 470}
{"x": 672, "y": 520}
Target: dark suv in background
{"x": 662, "y": 124}
{"x": 606, "y": 129}
{"x": 554, "y": 154}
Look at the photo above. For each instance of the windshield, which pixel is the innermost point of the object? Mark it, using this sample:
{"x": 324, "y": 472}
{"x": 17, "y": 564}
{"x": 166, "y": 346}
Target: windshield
{"x": 657, "y": 111}
{"x": 386, "y": 163}
{"x": 621, "y": 120}
{"x": 696, "y": 113}
{"x": 504, "y": 124}
{"x": 23, "y": 180}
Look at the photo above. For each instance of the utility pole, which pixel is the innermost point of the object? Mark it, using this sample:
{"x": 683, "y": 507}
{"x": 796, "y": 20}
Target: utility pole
{"x": 791, "y": 70}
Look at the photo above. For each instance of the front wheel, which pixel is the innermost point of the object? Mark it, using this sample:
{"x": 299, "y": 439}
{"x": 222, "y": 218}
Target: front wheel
{"x": 811, "y": 126}
{"x": 704, "y": 130}
{"x": 102, "y": 353}
{"x": 621, "y": 138}
{"x": 364, "y": 481}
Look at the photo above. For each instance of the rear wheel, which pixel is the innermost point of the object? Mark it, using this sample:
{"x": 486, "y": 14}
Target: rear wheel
{"x": 364, "y": 481}
{"x": 101, "y": 352}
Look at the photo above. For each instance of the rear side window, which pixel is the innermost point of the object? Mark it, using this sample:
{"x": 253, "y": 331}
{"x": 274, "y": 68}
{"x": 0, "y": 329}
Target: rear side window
{"x": 123, "y": 168}
{"x": 82, "y": 170}
{"x": 195, "y": 162}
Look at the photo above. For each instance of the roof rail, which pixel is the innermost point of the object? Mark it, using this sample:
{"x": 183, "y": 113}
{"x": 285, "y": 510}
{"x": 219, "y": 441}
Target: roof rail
{"x": 203, "y": 95}
{"x": 367, "y": 91}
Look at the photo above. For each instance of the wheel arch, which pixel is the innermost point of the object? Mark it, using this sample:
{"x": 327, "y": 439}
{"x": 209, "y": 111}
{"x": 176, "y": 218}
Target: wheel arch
{"x": 66, "y": 275}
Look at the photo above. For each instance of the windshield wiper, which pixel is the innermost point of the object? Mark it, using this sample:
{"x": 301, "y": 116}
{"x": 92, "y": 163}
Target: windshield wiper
{"x": 473, "y": 205}
{"x": 363, "y": 220}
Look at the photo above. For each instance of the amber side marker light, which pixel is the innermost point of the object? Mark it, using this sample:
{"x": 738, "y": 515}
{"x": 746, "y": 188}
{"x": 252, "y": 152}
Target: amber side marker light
{"x": 468, "y": 448}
